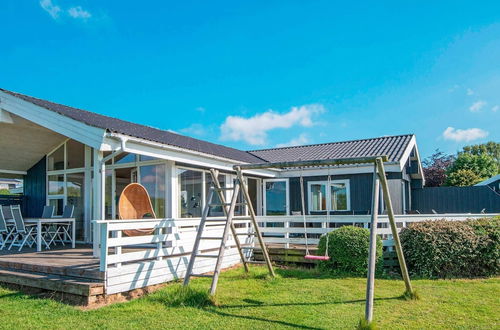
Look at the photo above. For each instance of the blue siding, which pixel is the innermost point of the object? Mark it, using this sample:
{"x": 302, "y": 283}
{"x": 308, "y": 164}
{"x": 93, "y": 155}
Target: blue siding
{"x": 361, "y": 192}
{"x": 34, "y": 189}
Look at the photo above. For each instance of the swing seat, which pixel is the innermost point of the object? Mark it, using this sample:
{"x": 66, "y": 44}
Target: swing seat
{"x": 311, "y": 257}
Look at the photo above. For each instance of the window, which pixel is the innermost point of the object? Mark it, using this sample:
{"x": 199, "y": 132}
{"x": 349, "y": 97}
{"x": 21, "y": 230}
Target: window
{"x": 153, "y": 179}
{"x": 276, "y": 197}
{"x": 336, "y": 198}
{"x": 56, "y": 184}
{"x": 124, "y": 158}
{"x": 55, "y": 161}
{"x": 215, "y": 211}
{"x": 75, "y": 154}
{"x": 190, "y": 193}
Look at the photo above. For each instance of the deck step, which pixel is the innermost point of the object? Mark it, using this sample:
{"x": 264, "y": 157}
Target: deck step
{"x": 51, "y": 282}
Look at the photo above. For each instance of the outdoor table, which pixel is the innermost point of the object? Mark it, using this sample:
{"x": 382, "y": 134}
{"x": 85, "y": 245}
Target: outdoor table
{"x": 39, "y": 222}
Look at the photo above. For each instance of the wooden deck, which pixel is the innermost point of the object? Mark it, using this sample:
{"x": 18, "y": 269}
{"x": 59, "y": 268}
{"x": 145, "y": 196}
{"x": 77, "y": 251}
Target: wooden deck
{"x": 69, "y": 274}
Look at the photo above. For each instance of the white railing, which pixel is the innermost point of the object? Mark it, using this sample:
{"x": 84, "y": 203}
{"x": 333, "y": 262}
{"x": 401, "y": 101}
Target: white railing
{"x": 289, "y": 230}
{"x": 139, "y": 261}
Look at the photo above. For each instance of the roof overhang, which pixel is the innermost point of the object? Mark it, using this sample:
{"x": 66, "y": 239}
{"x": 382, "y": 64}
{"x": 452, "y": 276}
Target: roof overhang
{"x": 53, "y": 121}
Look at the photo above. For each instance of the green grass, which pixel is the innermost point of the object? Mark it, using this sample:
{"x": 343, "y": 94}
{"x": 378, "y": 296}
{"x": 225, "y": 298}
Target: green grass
{"x": 296, "y": 299}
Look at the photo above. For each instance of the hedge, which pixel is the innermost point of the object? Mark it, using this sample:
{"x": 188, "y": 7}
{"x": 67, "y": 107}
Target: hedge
{"x": 348, "y": 250}
{"x": 447, "y": 249}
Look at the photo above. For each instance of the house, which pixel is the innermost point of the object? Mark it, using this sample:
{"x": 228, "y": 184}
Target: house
{"x": 71, "y": 156}
{"x": 10, "y": 184}
{"x": 493, "y": 183}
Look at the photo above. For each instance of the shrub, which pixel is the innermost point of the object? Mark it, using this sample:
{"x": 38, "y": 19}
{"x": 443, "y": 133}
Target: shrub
{"x": 348, "y": 250}
{"x": 446, "y": 249}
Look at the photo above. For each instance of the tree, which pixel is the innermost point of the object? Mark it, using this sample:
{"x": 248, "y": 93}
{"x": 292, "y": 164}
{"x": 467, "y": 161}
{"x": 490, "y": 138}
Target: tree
{"x": 469, "y": 169}
{"x": 462, "y": 177}
{"x": 435, "y": 167}
{"x": 491, "y": 149}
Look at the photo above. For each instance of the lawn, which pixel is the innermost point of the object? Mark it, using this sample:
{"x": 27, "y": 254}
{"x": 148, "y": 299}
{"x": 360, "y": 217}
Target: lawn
{"x": 296, "y": 299}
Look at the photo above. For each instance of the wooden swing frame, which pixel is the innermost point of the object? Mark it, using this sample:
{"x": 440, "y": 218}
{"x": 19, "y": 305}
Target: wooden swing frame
{"x": 379, "y": 178}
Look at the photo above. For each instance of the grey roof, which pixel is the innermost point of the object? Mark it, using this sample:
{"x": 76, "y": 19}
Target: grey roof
{"x": 141, "y": 131}
{"x": 391, "y": 146}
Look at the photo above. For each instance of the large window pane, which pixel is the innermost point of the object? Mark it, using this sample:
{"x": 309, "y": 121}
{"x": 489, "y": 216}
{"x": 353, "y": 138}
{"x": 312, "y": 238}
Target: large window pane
{"x": 253, "y": 191}
{"x": 75, "y": 154}
{"x": 56, "y": 184}
{"x": 214, "y": 211}
{"x": 153, "y": 179}
{"x": 276, "y": 198}
{"x": 125, "y": 157}
{"x": 58, "y": 205}
{"x": 74, "y": 187}
{"x": 190, "y": 193}
{"x": 318, "y": 197}
{"x": 339, "y": 196}
{"x": 108, "y": 201}
{"x": 55, "y": 161}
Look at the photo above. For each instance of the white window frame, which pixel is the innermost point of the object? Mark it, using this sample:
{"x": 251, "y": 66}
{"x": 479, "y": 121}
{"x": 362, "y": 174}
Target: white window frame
{"x": 264, "y": 198}
{"x": 328, "y": 195}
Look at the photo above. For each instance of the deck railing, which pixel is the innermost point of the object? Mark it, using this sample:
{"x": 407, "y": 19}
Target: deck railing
{"x": 140, "y": 261}
{"x": 289, "y": 230}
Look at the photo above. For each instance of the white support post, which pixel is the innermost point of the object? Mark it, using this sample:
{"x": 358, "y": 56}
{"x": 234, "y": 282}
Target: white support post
{"x": 99, "y": 197}
{"x": 87, "y": 202}
{"x": 372, "y": 255}
{"x": 287, "y": 233}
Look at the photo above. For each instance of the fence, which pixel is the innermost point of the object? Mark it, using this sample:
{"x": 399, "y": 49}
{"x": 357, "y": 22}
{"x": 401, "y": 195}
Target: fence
{"x": 289, "y": 230}
{"x": 135, "y": 262}
{"x": 455, "y": 199}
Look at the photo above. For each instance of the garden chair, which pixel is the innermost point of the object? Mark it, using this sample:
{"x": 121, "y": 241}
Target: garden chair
{"x": 61, "y": 232}
{"x": 23, "y": 234}
{"x": 6, "y": 230}
{"x": 48, "y": 212}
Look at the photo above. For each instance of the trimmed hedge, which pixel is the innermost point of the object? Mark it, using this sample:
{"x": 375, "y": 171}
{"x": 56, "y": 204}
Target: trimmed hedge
{"x": 447, "y": 249}
{"x": 348, "y": 250}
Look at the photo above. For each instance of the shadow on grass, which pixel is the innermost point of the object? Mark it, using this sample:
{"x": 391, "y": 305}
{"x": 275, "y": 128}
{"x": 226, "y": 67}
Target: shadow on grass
{"x": 254, "y": 318}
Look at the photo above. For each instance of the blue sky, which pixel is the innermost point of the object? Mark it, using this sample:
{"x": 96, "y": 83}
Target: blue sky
{"x": 259, "y": 74}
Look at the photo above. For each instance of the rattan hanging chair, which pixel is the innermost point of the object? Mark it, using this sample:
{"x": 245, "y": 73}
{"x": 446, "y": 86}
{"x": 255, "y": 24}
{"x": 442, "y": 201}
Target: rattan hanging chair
{"x": 135, "y": 204}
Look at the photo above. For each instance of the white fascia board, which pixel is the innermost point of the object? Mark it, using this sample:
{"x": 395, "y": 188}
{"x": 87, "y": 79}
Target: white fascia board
{"x": 162, "y": 151}
{"x": 13, "y": 172}
{"x": 407, "y": 152}
{"x": 88, "y": 135}
{"x": 340, "y": 170}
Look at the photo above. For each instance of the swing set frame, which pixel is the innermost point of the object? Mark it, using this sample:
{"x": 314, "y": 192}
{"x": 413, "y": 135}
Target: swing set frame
{"x": 379, "y": 179}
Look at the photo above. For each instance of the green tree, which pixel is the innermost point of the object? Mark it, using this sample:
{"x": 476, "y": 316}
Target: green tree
{"x": 491, "y": 149}
{"x": 469, "y": 169}
{"x": 462, "y": 177}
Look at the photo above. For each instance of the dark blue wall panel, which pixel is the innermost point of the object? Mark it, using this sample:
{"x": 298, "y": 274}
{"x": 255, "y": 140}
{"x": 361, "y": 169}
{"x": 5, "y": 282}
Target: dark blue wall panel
{"x": 34, "y": 189}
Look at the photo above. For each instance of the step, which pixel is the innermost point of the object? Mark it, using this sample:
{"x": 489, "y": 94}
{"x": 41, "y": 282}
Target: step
{"x": 51, "y": 282}
{"x": 85, "y": 270}
{"x": 246, "y": 234}
{"x": 211, "y": 238}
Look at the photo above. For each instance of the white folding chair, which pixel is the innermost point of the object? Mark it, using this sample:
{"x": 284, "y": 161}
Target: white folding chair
{"x": 24, "y": 234}
{"x": 62, "y": 228}
{"x": 6, "y": 230}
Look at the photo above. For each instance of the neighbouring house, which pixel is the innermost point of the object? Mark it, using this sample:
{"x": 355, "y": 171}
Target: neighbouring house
{"x": 71, "y": 156}
{"x": 493, "y": 183}
{"x": 10, "y": 184}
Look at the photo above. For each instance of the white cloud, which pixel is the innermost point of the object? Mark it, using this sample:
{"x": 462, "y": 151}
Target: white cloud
{"x": 495, "y": 108}
{"x": 464, "y": 135}
{"x": 194, "y": 129}
{"x": 50, "y": 8}
{"x": 79, "y": 12}
{"x": 254, "y": 130}
{"x": 477, "y": 106}
{"x": 298, "y": 141}
{"x": 470, "y": 91}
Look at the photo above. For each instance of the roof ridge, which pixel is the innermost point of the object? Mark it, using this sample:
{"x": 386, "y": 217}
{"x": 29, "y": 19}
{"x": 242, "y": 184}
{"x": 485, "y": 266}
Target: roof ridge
{"x": 326, "y": 143}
